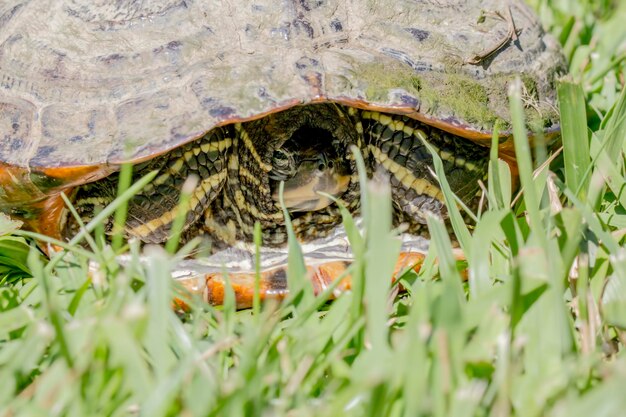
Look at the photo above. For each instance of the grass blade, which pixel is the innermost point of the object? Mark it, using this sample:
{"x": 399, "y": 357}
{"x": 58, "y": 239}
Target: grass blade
{"x": 119, "y": 220}
{"x": 181, "y": 213}
{"x": 456, "y": 220}
{"x": 524, "y": 162}
{"x": 574, "y": 134}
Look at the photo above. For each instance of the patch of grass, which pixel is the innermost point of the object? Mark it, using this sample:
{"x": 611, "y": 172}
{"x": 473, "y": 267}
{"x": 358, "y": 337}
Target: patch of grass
{"x": 538, "y": 329}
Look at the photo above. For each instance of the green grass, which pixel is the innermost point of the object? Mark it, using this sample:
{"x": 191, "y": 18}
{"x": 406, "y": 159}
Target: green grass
{"x": 538, "y": 329}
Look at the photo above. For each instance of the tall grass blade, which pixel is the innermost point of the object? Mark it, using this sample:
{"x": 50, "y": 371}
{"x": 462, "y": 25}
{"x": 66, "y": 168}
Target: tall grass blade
{"x": 256, "y": 298}
{"x": 382, "y": 251}
{"x": 178, "y": 224}
{"x": 357, "y": 241}
{"x": 456, "y": 220}
{"x": 524, "y": 162}
{"x": 119, "y": 220}
{"x": 159, "y": 296}
{"x": 574, "y": 136}
{"x": 296, "y": 269}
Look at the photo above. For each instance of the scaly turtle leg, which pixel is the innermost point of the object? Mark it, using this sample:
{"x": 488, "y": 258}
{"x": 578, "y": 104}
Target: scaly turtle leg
{"x": 152, "y": 211}
{"x": 396, "y": 145}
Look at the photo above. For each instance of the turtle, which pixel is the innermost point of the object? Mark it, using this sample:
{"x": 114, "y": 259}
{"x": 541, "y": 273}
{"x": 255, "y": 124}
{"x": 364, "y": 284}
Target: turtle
{"x": 250, "y": 95}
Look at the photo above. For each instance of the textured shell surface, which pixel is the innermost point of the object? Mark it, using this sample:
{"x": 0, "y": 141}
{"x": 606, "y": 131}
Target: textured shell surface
{"x": 96, "y": 82}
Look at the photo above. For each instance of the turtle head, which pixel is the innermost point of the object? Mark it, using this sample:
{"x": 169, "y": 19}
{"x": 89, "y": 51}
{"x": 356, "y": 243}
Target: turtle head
{"x": 312, "y": 169}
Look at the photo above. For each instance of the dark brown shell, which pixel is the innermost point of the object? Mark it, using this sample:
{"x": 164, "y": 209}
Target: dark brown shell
{"x": 86, "y": 84}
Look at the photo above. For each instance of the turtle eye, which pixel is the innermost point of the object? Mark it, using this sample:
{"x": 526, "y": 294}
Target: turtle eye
{"x": 280, "y": 159}
{"x": 283, "y": 165}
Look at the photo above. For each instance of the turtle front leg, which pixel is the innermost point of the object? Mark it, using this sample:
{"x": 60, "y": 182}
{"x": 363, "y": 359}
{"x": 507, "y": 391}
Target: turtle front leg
{"x": 152, "y": 211}
{"x": 397, "y": 146}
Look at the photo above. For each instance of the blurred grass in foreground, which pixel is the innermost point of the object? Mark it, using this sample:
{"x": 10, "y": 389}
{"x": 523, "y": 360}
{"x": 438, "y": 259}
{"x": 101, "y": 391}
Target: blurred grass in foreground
{"x": 537, "y": 330}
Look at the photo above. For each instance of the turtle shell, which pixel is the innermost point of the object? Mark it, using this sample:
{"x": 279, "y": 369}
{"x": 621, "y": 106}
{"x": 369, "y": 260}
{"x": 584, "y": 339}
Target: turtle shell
{"x": 86, "y": 85}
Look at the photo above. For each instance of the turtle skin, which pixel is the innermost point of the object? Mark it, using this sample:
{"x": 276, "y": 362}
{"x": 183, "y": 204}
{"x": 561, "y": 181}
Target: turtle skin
{"x": 235, "y": 166}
